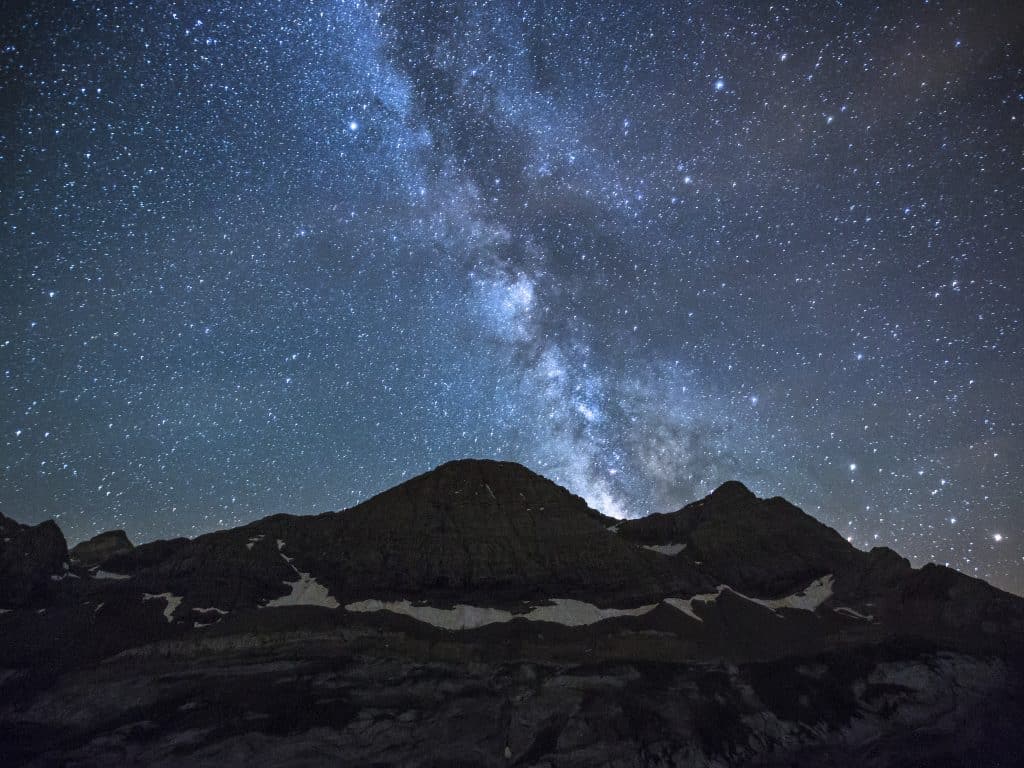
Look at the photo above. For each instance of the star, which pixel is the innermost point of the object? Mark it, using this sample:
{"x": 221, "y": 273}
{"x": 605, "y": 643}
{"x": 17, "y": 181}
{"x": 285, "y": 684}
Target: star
{"x": 302, "y": 252}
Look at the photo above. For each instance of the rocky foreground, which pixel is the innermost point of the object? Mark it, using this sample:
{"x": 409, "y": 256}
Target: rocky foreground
{"x": 481, "y": 615}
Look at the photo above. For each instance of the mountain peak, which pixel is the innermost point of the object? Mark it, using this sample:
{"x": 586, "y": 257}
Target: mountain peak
{"x": 766, "y": 546}
{"x": 472, "y": 473}
{"x": 101, "y": 547}
{"x": 496, "y": 485}
{"x": 472, "y": 464}
{"x": 732, "y": 491}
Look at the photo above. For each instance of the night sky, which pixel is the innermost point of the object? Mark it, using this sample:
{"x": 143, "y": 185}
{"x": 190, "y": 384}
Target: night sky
{"x": 261, "y": 257}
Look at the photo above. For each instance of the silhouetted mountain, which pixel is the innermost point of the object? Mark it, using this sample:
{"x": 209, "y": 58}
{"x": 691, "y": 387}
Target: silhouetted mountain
{"x": 101, "y": 548}
{"x": 768, "y": 547}
{"x": 749, "y": 543}
{"x": 30, "y": 557}
{"x": 479, "y": 614}
{"x": 468, "y": 528}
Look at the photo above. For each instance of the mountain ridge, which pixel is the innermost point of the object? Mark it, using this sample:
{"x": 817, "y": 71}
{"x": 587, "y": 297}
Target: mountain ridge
{"x": 748, "y": 630}
{"x": 642, "y": 529}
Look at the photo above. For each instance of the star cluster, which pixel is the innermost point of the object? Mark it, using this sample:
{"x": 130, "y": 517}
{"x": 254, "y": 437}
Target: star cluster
{"x": 265, "y": 257}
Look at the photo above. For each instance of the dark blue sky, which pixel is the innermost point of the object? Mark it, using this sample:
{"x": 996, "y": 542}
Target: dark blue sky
{"x": 260, "y": 257}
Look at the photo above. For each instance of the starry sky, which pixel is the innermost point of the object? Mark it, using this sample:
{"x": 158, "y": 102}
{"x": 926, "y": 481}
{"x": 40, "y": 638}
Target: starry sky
{"x": 272, "y": 256}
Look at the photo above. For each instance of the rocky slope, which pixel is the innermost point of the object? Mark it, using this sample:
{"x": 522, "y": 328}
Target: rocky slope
{"x": 31, "y": 557}
{"x": 101, "y": 548}
{"x": 481, "y": 615}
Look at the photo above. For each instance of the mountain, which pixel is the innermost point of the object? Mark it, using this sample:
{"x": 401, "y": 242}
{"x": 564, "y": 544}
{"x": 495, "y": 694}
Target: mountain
{"x": 770, "y": 547}
{"x": 101, "y": 548}
{"x": 30, "y": 556}
{"x": 480, "y": 614}
{"x": 483, "y": 528}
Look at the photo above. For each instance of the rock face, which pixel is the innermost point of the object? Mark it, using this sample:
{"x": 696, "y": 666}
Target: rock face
{"x": 379, "y": 710}
{"x": 768, "y": 547}
{"x": 468, "y": 530}
{"x": 481, "y": 615}
{"x": 750, "y": 543}
{"x": 29, "y": 557}
{"x": 101, "y": 548}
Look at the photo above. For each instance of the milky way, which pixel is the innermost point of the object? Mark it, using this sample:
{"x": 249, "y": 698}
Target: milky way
{"x": 265, "y": 257}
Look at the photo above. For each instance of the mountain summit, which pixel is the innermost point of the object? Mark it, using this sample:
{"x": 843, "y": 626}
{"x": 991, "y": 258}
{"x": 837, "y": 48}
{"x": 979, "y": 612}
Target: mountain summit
{"x": 480, "y": 613}
{"x": 760, "y": 545}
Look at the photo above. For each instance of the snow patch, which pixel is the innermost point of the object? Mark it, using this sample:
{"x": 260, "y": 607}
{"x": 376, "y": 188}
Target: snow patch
{"x": 843, "y": 611}
{"x": 459, "y": 617}
{"x": 666, "y": 549}
{"x": 211, "y": 610}
{"x": 280, "y": 546}
{"x": 255, "y": 540}
{"x": 305, "y": 591}
{"x": 569, "y": 613}
{"x": 808, "y": 599}
{"x": 5, "y": 610}
{"x": 686, "y": 606}
{"x": 98, "y": 574}
{"x": 172, "y": 603}
{"x": 575, "y": 613}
